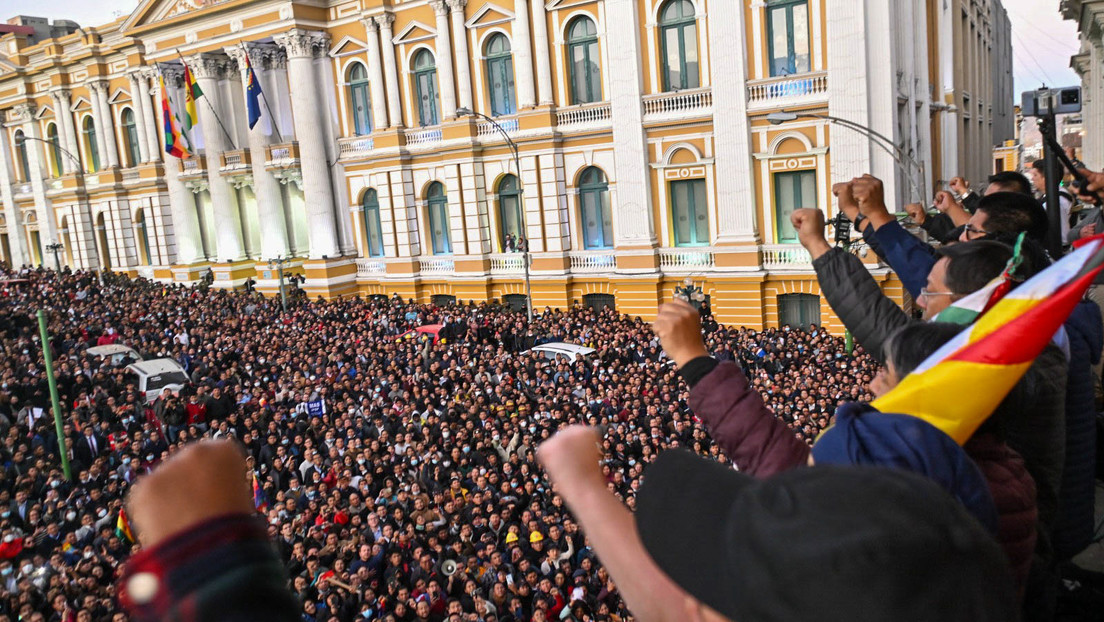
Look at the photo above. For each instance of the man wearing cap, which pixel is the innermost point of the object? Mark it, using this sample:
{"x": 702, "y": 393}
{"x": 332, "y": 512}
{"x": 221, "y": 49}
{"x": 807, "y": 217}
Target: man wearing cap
{"x": 825, "y": 543}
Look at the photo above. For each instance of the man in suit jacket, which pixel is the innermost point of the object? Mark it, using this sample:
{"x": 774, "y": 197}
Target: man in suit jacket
{"x": 89, "y": 447}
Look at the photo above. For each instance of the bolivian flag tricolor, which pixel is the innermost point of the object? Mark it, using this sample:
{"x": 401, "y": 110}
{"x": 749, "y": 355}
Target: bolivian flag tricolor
{"x": 958, "y": 387}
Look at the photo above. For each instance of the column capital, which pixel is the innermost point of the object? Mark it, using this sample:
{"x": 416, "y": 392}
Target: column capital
{"x": 213, "y": 66}
{"x": 457, "y": 5}
{"x": 99, "y": 86}
{"x": 385, "y": 20}
{"x": 22, "y": 113}
{"x": 369, "y": 23}
{"x": 440, "y": 7}
{"x": 62, "y": 93}
{"x": 301, "y": 43}
{"x": 261, "y": 55}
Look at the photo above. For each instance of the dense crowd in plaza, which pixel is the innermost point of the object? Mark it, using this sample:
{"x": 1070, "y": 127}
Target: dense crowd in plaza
{"x": 422, "y": 461}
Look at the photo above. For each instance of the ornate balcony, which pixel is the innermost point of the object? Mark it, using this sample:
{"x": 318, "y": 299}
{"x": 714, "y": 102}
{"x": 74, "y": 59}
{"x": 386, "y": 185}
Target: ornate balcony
{"x": 424, "y": 137}
{"x": 679, "y": 104}
{"x": 235, "y": 162}
{"x": 195, "y": 166}
{"x": 355, "y": 147}
{"x": 486, "y": 129}
{"x": 436, "y": 266}
{"x": 282, "y": 156}
{"x": 508, "y": 263}
{"x": 782, "y": 91}
{"x": 786, "y": 257}
{"x": 593, "y": 261}
{"x": 370, "y": 267}
{"x": 676, "y": 260}
{"x": 584, "y": 116}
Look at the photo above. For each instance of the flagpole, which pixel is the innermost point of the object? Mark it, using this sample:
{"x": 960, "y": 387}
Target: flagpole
{"x": 271, "y": 115}
{"x": 233, "y": 144}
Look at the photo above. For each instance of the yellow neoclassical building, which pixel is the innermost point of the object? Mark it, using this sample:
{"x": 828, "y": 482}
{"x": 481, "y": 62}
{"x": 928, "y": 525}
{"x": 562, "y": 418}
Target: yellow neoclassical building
{"x": 645, "y": 154}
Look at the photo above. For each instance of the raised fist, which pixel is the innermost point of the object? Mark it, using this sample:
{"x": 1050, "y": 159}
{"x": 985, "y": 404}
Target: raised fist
{"x": 870, "y": 194}
{"x": 917, "y": 213}
{"x": 846, "y": 200}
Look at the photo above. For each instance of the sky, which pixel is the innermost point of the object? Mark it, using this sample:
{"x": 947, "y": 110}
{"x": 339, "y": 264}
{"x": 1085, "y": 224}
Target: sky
{"x": 1042, "y": 41}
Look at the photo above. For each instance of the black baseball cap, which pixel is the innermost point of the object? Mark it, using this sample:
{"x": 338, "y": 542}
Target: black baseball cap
{"x": 821, "y": 543}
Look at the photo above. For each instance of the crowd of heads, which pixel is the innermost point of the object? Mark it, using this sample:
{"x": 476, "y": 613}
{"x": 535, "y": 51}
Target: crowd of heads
{"x": 415, "y": 495}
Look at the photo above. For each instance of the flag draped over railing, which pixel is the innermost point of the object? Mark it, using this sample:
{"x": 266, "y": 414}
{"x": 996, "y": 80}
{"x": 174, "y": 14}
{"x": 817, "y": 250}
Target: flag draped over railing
{"x": 959, "y": 386}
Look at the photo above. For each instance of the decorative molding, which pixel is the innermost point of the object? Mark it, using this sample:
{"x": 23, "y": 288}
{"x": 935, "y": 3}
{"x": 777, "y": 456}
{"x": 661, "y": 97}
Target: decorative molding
{"x": 487, "y": 11}
{"x": 301, "y": 43}
{"x": 409, "y": 34}
{"x": 684, "y": 172}
{"x": 782, "y": 163}
{"x": 356, "y": 46}
{"x": 210, "y": 66}
{"x": 23, "y": 113}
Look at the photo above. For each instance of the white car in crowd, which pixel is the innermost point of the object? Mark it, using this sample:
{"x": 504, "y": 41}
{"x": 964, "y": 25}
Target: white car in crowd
{"x": 560, "y": 352}
{"x": 156, "y": 375}
{"x": 117, "y": 353}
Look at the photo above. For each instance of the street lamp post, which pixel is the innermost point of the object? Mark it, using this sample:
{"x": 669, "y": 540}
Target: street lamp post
{"x": 690, "y": 293}
{"x": 902, "y": 159}
{"x": 524, "y": 247}
{"x": 55, "y": 247}
{"x": 278, "y": 264}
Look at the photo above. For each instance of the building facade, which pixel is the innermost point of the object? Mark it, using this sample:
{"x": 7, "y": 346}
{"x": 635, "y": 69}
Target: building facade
{"x": 1089, "y": 64}
{"x": 647, "y": 152}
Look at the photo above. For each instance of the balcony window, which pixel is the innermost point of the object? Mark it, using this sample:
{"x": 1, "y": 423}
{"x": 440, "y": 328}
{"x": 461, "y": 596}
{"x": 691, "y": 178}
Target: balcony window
{"x": 55, "y": 149}
{"x": 509, "y": 212}
{"x": 679, "y": 38}
{"x": 360, "y": 100}
{"x": 594, "y": 204}
{"x": 582, "y": 55}
{"x": 792, "y": 191}
{"x": 437, "y": 205}
{"x": 788, "y": 36}
{"x": 91, "y": 152}
{"x": 690, "y": 212}
{"x": 130, "y": 136}
{"x": 425, "y": 83}
{"x": 143, "y": 237}
{"x": 21, "y": 151}
{"x": 500, "y": 75}
{"x": 372, "y": 223}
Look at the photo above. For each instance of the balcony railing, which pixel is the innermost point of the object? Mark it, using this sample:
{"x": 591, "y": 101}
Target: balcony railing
{"x": 355, "y": 147}
{"x": 685, "y": 259}
{"x": 786, "y": 257}
{"x": 679, "y": 103}
{"x": 486, "y": 128}
{"x": 131, "y": 175}
{"x": 787, "y": 90}
{"x": 195, "y": 165}
{"x": 23, "y": 188}
{"x": 283, "y": 152}
{"x": 508, "y": 263}
{"x": 584, "y": 114}
{"x": 233, "y": 160}
{"x": 593, "y": 261}
{"x": 424, "y": 137}
{"x": 368, "y": 267}
{"x": 436, "y": 266}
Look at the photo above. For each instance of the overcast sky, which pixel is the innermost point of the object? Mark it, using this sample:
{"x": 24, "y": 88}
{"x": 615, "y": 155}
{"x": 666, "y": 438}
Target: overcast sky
{"x": 1042, "y": 42}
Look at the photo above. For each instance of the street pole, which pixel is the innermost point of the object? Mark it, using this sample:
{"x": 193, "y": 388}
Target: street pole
{"x": 55, "y": 247}
{"x": 48, "y": 357}
{"x": 1048, "y": 128}
{"x": 278, "y": 263}
{"x": 460, "y": 112}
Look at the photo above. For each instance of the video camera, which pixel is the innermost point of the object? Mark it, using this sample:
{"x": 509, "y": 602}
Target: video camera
{"x": 1046, "y": 102}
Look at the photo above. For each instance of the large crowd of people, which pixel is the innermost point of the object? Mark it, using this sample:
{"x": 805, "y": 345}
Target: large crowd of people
{"x": 397, "y": 475}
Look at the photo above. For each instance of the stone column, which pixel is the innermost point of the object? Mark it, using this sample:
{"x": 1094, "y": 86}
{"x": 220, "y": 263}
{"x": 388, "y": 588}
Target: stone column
{"x": 445, "y": 79}
{"x": 390, "y": 69}
{"x": 523, "y": 55}
{"x": 47, "y": 227}
{"x": 270, "y": 200}
{"x": 375, "y": 75}
{"x": 16, "y": 234}
{"x": 460, "y": 52}
{"x": 97, "y": 124}
{"x": 155, "y": 133}
{"x": 303, "y": 47}
{"x": 540, "y": 51}
{"x": 141, "y": 111}
{"x": 106, "y": 123}
{"x": 633, "y": 210}
{"x": 182, "y": 204}
{"x": 208, "y": 70}
{"x": 736, "y": 205}
{"x": 67, "y": 130}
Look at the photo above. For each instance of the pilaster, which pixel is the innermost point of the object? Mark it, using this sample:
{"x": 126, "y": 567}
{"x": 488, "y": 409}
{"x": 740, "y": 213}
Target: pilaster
{"x": 390, "y": 69}
{"x": 445, "y": 77}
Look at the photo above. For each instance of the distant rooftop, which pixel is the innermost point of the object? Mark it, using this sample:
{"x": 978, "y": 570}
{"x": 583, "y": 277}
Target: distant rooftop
{"x": 38, "y": 29}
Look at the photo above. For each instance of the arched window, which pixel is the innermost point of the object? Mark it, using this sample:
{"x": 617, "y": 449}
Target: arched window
{"x": 143, "y": 237}
{"x": 500, "y": 75}
{"x": 437, "y": 206}
{"x": 425, "y": 83}
{"x": 510, "y": 222}
{"x": 21, "y": 150}
{"x": 793, "y": 190}
{"x": 690, "y": 212}
{"x": 372, "y": 223}
{"x": 130, "y": 135}
{"x": 788, "y": 36}
{"x": 582, "y": 55}
{"x": 359, "y": 99}
{"x": 55, "y": 149}
{"x": 594, "y": 204}
{"x": 679, "y": 37}
{"x": 90, "y": 150}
